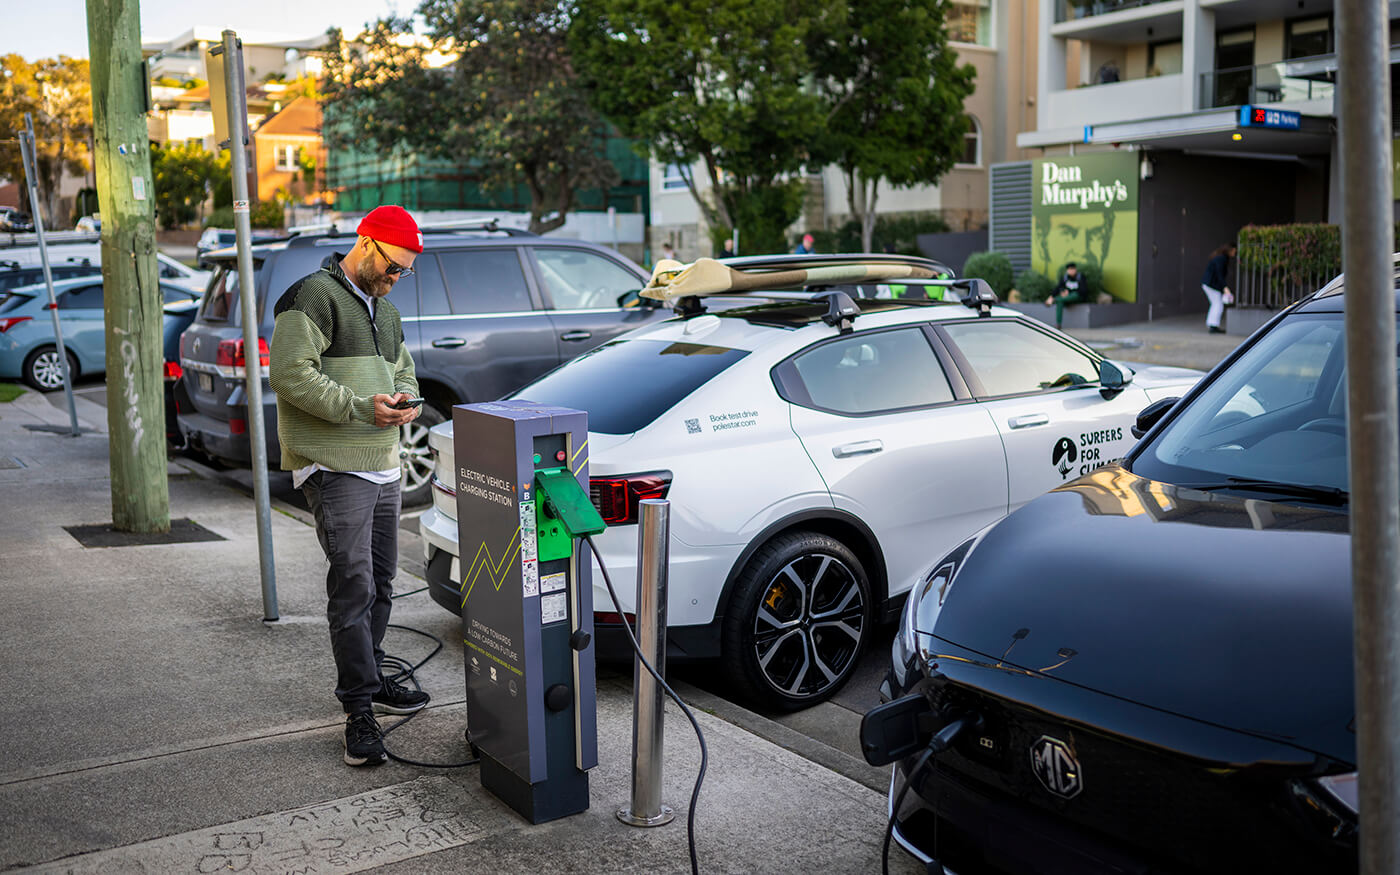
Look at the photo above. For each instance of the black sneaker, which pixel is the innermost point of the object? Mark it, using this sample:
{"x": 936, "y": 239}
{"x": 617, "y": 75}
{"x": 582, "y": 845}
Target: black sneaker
{"x": 364, "y": 741}
{"x": 395, "y": 698}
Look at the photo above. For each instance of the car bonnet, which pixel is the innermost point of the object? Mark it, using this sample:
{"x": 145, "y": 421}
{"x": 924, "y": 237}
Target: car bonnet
{"x": 1235, "y": 612}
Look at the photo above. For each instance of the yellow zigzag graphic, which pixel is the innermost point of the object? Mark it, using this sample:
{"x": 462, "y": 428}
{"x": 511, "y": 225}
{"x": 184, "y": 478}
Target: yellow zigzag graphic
{"x": 495, "y": 570}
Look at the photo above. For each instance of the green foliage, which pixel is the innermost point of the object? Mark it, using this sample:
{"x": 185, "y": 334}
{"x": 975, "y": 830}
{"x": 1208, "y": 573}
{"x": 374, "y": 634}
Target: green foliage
{"x": 510, "y": 105}
{"x": 726, "y": 85}
{"x": 1034, "y": 286}
{"x": 266, "y": 214}
{"x": 1298, "y": 254}
{"x": 894, "y": 93}
{"x": 57, "y": 94}
{"x": 993, "y": 267}
{"x": 893, "y": 233}
{"x": 181, "y": 172}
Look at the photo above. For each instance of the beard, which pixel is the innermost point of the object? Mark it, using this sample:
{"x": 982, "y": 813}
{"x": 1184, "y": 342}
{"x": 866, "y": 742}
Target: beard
{"x": 374, "y": 283}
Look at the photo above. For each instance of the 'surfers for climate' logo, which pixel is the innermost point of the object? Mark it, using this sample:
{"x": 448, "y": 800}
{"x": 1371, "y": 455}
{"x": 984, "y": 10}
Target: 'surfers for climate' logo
{"x": 1064, "y": 456}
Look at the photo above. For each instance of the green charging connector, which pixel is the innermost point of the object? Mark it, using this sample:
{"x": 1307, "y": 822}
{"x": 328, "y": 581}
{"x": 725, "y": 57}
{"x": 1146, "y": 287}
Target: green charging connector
{"x": 563, "y": 512}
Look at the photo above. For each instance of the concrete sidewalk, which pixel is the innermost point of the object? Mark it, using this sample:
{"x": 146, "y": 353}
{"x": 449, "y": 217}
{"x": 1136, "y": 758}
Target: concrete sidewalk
{"x": 158, "y": 725}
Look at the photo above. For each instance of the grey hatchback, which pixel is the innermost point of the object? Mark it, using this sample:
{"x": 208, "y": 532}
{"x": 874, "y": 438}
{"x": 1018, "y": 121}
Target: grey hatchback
{"x": 486, "y": 310}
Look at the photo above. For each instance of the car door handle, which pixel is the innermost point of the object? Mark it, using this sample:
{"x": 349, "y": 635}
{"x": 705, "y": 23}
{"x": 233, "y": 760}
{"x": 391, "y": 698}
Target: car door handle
{"x": 859, "y": 448}
{"x": 1029, "y": 420}
{"x": 576, "y": 335}
{"x": 449, "y": 342}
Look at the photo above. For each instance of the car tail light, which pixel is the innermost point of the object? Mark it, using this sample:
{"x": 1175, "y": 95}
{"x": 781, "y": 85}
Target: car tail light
{"x": 231, "y": 361}
{"x": 11, "y": 321}
{"x": 238, "y": 426}
{"x": 617, "y": 498}
{"x": 614, "y": 618}
{"x": 173, "y": 371}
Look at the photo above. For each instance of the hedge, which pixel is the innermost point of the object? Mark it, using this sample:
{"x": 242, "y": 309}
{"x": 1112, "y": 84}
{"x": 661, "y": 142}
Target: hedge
{"x": 1296, "y": 254}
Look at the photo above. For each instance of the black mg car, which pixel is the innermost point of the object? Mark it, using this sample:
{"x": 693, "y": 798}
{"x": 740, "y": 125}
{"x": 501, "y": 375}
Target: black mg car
{"x": 1149, "y": 669}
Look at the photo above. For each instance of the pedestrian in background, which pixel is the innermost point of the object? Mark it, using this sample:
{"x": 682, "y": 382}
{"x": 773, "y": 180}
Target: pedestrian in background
{"x": 668, "y": 251}
{"x": 807, "y": 246}
{"x": 340, "y": 369}
{"x": 726, "y": 248}
{"x": 1213, "y": 283}
{"x": 1069, "y": 290}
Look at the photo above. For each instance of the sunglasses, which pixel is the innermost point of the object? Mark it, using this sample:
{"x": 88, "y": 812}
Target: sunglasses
{"x": 394, "y": 269}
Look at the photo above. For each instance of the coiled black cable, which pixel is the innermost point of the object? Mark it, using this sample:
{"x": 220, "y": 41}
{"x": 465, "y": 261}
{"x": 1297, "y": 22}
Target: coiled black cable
{"x": 405, "y": 672}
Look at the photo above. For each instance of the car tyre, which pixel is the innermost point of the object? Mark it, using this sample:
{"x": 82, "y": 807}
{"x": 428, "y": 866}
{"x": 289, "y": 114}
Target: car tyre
{"x": 800, "y": 615}
{"x": 416, "y": 457}
{"x": 43, "y": 372}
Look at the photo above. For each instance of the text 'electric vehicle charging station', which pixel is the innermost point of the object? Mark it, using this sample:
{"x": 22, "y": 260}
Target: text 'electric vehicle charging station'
{"x": 527, "y": 603}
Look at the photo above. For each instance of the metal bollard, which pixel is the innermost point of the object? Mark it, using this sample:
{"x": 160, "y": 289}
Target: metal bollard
{"x": 648, "y": 706}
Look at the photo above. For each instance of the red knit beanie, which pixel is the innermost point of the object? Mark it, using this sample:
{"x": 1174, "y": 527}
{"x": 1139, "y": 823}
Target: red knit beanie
{"x": 392, "y": 224}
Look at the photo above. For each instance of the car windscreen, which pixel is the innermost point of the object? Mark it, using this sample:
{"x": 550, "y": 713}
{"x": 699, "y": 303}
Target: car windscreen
{"x": 1275, "y": 416}
{"x": 625, "y": 385}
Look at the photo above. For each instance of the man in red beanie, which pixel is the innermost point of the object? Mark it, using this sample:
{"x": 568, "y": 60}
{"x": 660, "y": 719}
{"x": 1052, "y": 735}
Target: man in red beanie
{"x": 345, "y": 384}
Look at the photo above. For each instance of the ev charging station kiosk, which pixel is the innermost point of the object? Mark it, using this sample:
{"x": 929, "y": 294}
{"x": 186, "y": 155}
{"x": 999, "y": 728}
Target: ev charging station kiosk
{"x": 527, "y": 602}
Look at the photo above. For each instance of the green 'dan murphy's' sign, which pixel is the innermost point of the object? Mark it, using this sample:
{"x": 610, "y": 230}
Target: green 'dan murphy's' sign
{"x": 1084, "y": 208}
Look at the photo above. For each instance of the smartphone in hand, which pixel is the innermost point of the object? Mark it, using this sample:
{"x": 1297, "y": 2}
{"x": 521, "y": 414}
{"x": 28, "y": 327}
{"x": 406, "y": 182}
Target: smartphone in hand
{"x": 408, "y": 403}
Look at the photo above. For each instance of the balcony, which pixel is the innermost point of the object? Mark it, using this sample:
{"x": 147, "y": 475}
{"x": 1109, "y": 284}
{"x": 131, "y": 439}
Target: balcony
{"x": 1313, "y": 78}
{"x": 1116, "y": 101}
{"x": 1073, "y": 10}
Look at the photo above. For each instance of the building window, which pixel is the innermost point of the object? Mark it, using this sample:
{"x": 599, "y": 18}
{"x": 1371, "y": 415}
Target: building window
{"x": 1308, "y": 37}
{"x": 671, "y": 179}
{"x": 972, "y": 144}
{"x": 969, "y": 21}
{"x": 286, "y": 157}
{"x": 1164, "y": 59}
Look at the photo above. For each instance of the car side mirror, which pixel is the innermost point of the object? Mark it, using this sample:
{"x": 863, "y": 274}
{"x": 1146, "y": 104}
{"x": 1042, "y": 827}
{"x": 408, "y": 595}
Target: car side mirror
{"x": 1114, "y": 377}
{"x": 1151, "y": 415}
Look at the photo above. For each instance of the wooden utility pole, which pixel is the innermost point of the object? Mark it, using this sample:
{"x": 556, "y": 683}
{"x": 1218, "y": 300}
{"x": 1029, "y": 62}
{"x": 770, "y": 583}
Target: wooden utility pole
{"x": 133, "y": 301}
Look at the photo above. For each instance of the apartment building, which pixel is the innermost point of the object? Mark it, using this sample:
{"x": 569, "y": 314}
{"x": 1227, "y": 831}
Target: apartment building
{"x": 1164, "y": 127}
{"x": 999, "y": 39}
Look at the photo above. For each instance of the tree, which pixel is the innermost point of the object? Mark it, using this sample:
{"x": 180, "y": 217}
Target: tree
{"x": 184, "y": 175}
{"x": 56, "y": 93}
{"x": 895, "y": 97}
{"x": 725, "y": 85}
{"x": 508, "y": 102}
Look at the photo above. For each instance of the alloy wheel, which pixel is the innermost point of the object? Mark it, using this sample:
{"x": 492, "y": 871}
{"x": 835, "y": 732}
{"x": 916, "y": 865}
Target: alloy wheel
{"x": 809, "y": 625}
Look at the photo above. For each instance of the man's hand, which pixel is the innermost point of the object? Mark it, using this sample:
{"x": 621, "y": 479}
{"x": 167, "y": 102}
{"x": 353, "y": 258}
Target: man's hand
{"x": 385, "y": 414}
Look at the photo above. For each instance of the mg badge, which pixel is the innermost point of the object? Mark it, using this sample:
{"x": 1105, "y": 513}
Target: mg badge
{"x": 1056, "y": 768}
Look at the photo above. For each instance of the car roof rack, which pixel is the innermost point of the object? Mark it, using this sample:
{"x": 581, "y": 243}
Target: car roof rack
{"x": 334, "y": 229}
{"x": 686, "y": 287}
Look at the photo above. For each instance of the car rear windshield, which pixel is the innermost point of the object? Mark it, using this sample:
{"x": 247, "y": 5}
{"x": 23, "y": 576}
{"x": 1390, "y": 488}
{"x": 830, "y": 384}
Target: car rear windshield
{"x": 221, "y": 301}
{"x": 625, "y": 385}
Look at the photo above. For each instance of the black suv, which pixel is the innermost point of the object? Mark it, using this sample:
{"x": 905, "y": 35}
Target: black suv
{"x": 487, "y": 310}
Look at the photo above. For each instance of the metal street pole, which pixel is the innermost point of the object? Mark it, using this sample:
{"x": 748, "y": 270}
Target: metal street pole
{"x": 235, "y": 105}
{"x": 1363, "y": 91}
{"x": 31, "y": 173}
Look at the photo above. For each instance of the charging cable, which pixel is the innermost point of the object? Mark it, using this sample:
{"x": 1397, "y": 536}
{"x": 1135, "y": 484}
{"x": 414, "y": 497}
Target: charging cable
{"x": 700, "y": 736}
{"x": 941, "y": 741}
{"x": 405, "y": 672}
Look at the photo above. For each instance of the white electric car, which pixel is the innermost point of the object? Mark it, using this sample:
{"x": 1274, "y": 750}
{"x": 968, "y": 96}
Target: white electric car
{"x": 816, "y": 447}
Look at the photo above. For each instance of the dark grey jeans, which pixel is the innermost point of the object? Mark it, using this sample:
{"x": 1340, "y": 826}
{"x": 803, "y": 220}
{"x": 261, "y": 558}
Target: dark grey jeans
{"x": 358, "y": 524}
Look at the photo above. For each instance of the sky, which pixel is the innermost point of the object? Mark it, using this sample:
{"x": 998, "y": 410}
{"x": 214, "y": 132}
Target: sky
{"x": 47, "y": 29}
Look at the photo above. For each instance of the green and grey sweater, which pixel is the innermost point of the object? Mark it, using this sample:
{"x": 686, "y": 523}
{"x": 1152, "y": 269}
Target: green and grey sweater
{"x": 327, "y": 359}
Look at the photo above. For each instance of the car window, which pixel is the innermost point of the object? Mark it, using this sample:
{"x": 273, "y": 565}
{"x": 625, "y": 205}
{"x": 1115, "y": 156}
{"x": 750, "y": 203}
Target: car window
{"x": 626, "y": 385}
{"x": 485, "y": 281}
{"x": 171, "y": 294}
{"x": 1278, "y": 413}
{"x": 168, "y": 272}
{"x": 82, "y": 298}
{"x": 1012, "y": 357}
{"x": 223, "y": 291}
{"x": 432, "y": 294}
{"x": 578, "y": 280}
{"x": 887, "y": 370}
